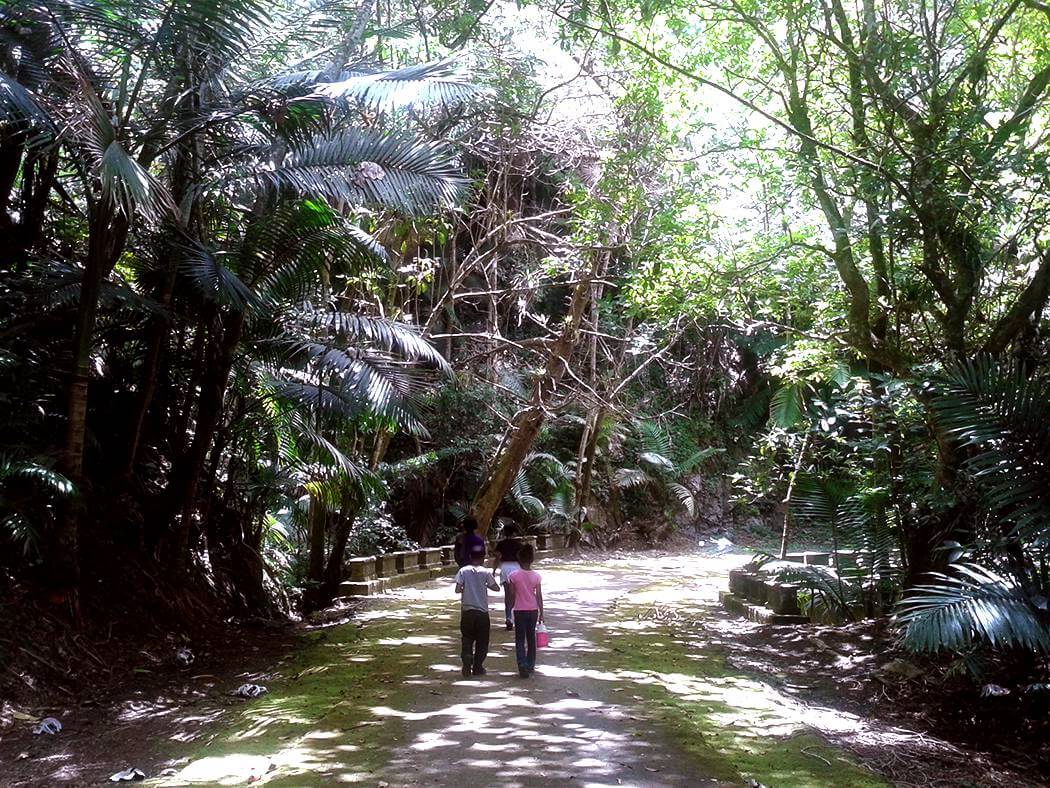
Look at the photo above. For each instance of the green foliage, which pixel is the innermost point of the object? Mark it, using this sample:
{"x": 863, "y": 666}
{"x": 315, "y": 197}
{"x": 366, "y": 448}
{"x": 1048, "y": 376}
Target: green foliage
{"x": 997, "y": 413}
{"x": 1000, "y": 414}
{"x": 973, "y": 605}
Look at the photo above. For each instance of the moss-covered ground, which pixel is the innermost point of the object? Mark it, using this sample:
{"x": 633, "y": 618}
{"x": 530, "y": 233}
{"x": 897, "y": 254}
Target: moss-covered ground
{"x": 315, "y": 725}
{"x": 735, "y": 727}
{"x": 619, "y": 698}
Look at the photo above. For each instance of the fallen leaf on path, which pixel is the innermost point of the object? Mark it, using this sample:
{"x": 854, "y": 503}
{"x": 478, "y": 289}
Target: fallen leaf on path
{"x": 574, "y": 693}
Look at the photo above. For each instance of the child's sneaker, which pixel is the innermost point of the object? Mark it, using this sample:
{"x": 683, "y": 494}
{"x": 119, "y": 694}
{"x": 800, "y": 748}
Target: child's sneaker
{"x": 523, "y": 672}
{"x": 466, "y": 669}
{"x": 479, "y": 671}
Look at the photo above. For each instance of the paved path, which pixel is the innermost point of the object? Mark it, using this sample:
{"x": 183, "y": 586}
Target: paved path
{"x": 571, "y": 721}
{"x": 618, "y": 699}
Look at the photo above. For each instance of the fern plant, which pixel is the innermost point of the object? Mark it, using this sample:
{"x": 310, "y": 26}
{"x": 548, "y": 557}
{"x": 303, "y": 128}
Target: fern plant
{"x": 656, "y": 467}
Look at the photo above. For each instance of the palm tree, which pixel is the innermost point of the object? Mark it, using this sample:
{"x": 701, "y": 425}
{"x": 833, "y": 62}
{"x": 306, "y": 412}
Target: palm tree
{"x": 230, "y": 188}
{"x": 998, "y": 414}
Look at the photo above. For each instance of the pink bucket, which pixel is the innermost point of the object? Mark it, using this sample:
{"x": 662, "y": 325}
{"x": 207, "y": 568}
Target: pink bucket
{"x": 543, "y": 638}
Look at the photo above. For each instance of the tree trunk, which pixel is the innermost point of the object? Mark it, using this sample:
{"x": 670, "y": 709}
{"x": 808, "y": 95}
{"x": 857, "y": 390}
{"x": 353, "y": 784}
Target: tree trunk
{"x": 104, "y": 245}
{"x": 315, "y": 570}
{"x": 527, "y": 422}
{"x": 585, "y": 462}
{"x": 159, "y": 327}
{"x": 787, "y": 499}
{"x": 185, "y": 482}
{"x": 333, "y": 571}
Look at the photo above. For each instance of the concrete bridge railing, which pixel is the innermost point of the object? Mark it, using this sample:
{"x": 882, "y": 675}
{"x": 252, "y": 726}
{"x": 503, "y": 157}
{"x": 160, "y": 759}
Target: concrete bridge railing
{"x": 374, "y": 574}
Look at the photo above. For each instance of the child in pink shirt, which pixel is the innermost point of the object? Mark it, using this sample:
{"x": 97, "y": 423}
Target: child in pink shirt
{"x": 527, "y": 601}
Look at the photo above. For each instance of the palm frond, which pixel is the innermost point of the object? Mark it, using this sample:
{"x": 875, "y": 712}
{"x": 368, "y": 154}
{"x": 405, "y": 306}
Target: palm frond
{"x": 412, "y": 86}
{"x": 631, "y": 477}
{"x": 787, "y": 406}
{"x": 520, "y": 493}
{"x": 390, "y": 336}
{"x": 562, "y": 502}
{"x": 214, "y": 281}
{"x": 684, "y": 496}
{"x": 20, "y": 112}
{"x": 218, "y": 28}
{"x": 1003, "y": 416}
{"x": 973, "y": 605}
{"x": 653, "y": 438}
{"x": 829, "y": 590}
{"x": 12, "y": 468}
{"x": 363, "y": 167}
{"x": 696, "y": 458}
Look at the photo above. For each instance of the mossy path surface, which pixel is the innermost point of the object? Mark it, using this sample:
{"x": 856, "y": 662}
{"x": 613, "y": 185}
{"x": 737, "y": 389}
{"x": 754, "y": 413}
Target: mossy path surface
{"x": 620, "y": 698}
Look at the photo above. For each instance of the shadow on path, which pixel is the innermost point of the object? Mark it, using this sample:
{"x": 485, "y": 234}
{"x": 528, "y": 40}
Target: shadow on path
{"x": 619, "y": 698}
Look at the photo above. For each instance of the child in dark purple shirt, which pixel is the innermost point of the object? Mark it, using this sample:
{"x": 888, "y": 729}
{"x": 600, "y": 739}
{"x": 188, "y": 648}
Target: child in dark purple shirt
{"x": 468, "y": 541}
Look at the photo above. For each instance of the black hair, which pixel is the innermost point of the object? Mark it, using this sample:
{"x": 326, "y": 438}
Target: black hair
{"x": 526, "y": 555}
{"x": 470, "y": 524}
{"x": 509, "y": 531}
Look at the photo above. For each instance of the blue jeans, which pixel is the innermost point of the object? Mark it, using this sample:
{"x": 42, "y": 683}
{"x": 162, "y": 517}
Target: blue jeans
{"x": 525, "y": 637}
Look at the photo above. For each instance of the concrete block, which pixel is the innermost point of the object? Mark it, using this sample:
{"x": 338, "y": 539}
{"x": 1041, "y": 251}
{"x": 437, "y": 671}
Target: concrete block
{"x": 408, "y": 578}
{"x": 557, "y": 541}
{"x": 757, "y": 613}
{"x": 353, "y": 588}
{"x": 448, "y": 554}
{"x": 763, "y": 615}
{"x": 732, "y": 603}
{"x": 737, "y": 581}
{"x": 810, "y": 558}
{"x": 386, "y": 565}
{"x": 363, "y": 568}
{"x": 756, "y": 589}
{"x": 543, "y": 541}
{"x": 407, "y": 560}
{"x": 782, "y": 598}
{"x": 429, "y": 556}
{"x": 443, "y": 571}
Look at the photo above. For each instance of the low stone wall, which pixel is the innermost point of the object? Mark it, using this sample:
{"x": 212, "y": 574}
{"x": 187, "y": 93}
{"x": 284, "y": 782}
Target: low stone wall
{"x": 374, "y": 574}
{"x": 757, "y": 595}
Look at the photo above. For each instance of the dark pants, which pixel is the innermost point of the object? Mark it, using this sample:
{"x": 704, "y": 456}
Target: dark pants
{"x": 525, "y": 637}
{"x": 474, "y": 626}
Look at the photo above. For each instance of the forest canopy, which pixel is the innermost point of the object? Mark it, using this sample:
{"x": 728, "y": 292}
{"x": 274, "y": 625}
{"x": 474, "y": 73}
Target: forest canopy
{"x": 289, "y": 282}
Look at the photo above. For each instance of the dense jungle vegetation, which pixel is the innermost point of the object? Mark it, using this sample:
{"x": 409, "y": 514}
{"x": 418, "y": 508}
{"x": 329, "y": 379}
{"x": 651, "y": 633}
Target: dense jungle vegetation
{"x": 288, "y": 281}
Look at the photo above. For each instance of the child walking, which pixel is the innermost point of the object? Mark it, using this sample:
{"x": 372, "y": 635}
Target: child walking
{"x": 473, "y": 582}
{"x": 527, "y": 599}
